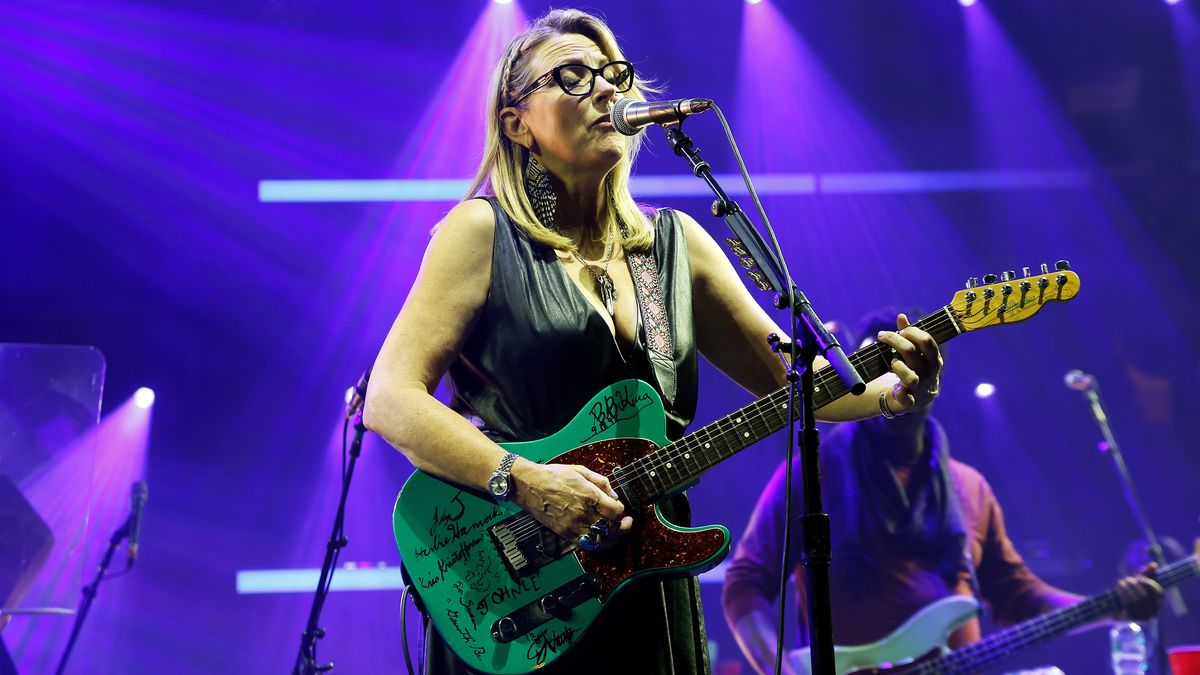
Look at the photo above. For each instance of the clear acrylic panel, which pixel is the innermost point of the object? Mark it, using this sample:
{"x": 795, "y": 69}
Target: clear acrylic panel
{"x": 49, "y": 410}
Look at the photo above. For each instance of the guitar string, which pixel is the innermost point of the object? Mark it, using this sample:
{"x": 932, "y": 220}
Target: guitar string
{"x": 1003, "y": 644}
{"x": 670, "y": 454}
{"x": 718, "y": 431}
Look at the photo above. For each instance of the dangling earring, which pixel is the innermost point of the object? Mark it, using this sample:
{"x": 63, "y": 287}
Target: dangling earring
{"x": 541, "y": 193}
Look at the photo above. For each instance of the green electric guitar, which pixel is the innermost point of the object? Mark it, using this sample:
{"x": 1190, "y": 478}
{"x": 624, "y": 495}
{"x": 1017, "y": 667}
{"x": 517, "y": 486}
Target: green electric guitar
{"x": 510, "y": 596}
{"x": 918, "y": 647}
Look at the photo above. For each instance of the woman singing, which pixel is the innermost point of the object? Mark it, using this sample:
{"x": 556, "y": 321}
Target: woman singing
{"x": 527, "y": 298}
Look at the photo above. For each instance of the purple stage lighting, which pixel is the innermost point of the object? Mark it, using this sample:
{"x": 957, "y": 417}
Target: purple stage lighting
{"x": 503, "y": 2}
{"x": 1172, "y": 2}
{"x": 966, "y": 3}
{"x": 144, "y": 398}
{"x": 985, "y": 390}
{"x": 753, "y": 2}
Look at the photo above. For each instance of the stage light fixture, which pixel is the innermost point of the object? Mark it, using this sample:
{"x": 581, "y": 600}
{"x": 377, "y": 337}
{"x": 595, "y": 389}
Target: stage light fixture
{"x": 985, "y": 390}
{"x": 144, "y": 398}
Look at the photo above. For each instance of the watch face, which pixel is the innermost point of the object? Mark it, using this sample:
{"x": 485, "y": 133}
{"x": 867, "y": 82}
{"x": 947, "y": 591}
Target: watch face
{"x": 498, "y": 485}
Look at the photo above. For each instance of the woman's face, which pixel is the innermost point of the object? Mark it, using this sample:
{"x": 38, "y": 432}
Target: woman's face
{"x": 572, "y": 134}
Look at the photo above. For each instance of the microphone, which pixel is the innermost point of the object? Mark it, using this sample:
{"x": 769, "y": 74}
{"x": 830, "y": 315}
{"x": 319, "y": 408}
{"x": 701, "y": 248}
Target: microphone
{"x": 628, "y": 116}
{"x": 358, "y": 396}
{"x": 137, "y": 499}
{"x": 1079, "y": 380}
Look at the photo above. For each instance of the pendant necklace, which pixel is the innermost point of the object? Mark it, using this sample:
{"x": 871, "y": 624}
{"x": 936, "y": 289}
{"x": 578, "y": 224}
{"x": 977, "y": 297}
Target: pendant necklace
{"x": 604, "y": 283}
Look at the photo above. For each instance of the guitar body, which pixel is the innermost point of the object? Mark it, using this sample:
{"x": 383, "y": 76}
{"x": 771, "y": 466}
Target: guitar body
{"x": 475, "y": 562}
{"x": 924, "y": 635}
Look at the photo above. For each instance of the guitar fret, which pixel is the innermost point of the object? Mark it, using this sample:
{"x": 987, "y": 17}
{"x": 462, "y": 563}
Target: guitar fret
{"x": 668, "y": 469}
{"x": 998, "y": 646}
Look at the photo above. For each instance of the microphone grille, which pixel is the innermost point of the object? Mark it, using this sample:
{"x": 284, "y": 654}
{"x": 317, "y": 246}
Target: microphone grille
{"x": 617, "y": 116}
{"x": 1076, "y": 379}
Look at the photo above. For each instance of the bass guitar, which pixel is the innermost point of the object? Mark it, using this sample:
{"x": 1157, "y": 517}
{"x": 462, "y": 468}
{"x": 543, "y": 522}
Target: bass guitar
{"x": 510, "y": 596}
{"x": 919, "y": 646}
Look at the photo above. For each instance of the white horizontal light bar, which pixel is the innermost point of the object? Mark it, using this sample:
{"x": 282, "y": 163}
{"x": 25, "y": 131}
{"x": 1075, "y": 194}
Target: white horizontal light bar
{"x": 450, "y": 190}
{"x": 250, "y": 582}
{"x": 953, "y": 181}
{"x": 305, "y": 580}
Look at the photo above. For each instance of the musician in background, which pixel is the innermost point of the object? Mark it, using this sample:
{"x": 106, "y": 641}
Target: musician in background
{"x": 902, "y": 510}
{"x": 1166, "y": 629}
{"x": 526, "y": 298}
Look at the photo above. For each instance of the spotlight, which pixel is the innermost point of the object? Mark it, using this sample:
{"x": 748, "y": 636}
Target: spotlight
{"x": 1172, "y": 2}
{"x": 753, "y": 2}
{"x": 985, "y": 389}
{"x": 143, "y": 398}
{"x": 503, "y": 2}
{"x": 966, "y": 3}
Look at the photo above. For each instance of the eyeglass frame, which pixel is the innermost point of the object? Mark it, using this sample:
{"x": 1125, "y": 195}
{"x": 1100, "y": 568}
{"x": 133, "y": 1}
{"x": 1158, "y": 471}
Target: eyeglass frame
{"x": 555, "y": 73}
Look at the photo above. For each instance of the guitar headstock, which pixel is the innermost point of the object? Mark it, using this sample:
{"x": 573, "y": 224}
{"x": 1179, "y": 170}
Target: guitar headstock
{"x": 1007, "y": 298}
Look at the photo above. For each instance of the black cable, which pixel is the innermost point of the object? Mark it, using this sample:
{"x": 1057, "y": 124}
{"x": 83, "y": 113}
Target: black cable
{"x": 404, "y": 628}
{"x": 789, "y": 284}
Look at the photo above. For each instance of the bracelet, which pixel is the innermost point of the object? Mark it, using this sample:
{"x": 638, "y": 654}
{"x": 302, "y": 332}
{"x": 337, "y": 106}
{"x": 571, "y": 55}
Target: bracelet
{"x": 885, "y": 411}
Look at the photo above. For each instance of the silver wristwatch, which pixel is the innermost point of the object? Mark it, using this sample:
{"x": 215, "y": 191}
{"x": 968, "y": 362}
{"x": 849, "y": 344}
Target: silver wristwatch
{"x": 500, "y": 485}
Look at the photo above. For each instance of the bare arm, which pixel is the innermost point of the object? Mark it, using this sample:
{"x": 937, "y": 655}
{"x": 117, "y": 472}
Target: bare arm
{"x": 731, "y": 332}
{"x": 426, "y": 337}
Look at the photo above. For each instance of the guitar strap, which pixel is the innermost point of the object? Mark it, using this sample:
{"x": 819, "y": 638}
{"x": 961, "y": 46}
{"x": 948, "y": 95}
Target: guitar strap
{"x": 656, "y": 323}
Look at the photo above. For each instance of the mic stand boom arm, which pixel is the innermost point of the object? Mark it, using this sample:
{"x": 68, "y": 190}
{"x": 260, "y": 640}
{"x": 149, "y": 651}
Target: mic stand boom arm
{"x": 1110, "y": 446}
{"x": 765, "y": 269}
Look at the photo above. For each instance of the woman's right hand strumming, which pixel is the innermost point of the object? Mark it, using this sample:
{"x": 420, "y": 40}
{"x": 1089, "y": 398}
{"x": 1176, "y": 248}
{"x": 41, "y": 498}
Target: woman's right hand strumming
{"x": 569, "y": 499}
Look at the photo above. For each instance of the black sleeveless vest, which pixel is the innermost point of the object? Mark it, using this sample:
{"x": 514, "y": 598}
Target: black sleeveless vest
{"x": 537, "y": 353}
{"x": 539, "y": 350}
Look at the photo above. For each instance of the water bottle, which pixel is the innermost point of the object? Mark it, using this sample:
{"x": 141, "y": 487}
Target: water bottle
{"x": 1128, "y": 649}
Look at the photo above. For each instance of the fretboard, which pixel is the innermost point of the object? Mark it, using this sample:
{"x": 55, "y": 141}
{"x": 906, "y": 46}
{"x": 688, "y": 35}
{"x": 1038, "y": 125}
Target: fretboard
{"x": 679, "y": 464}
{"x": 1001, "y": 645}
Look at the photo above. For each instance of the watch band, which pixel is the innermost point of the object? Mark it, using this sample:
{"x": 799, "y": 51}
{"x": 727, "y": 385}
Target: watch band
{"x": 502, "y": 474}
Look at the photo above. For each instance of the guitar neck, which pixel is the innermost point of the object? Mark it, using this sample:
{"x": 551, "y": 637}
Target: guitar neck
{"x": 679, "y": 464}
{"x": 999, "y": 646}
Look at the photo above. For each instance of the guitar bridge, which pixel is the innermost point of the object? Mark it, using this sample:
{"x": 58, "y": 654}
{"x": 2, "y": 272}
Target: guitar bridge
{"x": 525, "y": 545}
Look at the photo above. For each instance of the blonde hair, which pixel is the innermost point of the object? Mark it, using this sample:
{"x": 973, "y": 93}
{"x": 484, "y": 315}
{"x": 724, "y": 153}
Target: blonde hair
{"x": 501, "y": 171}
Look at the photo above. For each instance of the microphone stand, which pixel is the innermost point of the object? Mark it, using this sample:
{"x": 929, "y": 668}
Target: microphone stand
{"x": 1110, "y": 446}
{"x": 814, "y": 339}
{"x": 306, "y": 660}
{"x": 89, "y": 591}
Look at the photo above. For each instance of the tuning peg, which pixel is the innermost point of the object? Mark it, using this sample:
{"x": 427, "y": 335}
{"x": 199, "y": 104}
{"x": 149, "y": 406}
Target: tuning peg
{"x": 972, "y": 282}
{"x": 1062, "y": 265}
{"x": 1008, "y": 275}
{"x": 1024, "y": 271}
{"x": 1045, "y": 268}
{"x": 990, "y": 278}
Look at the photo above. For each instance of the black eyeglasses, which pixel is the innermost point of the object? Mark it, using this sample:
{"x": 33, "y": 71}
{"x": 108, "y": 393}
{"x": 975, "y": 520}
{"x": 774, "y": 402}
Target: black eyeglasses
{"x": 576, "y": 79}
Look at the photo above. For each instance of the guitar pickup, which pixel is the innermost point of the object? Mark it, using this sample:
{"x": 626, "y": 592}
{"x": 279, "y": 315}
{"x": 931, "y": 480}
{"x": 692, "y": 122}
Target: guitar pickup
{"x": 556, "y": 604}
{"x": 524, "y": 546}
